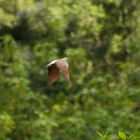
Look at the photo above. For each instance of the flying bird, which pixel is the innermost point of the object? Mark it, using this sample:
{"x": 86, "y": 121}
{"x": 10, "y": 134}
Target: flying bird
{"x": 58, "y": 66}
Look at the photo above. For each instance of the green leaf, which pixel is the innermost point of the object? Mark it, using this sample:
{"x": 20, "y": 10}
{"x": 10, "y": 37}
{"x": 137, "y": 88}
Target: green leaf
{"x": 122, "y": 135}
{"x": 101, "y": 135}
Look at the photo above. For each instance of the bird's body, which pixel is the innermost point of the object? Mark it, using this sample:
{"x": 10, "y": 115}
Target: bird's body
{"x": 56, "y": 66}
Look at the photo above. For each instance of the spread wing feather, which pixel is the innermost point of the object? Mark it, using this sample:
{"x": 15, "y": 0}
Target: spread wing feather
{"x": 53, "y": 73}
{"x": 63, "y": 67}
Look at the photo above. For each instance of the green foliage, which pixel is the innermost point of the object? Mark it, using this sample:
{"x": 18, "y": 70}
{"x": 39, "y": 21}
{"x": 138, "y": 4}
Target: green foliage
{"x": 101, "y": 40}
{"x": 103, "y": 136}
{"x": 122, "y": 135}
{"x": 6, "y": 125}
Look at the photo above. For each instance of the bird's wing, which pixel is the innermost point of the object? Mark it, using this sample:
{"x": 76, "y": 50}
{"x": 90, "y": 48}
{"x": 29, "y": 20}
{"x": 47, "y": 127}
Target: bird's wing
{"x": 63, "y": 67}
{"x": 53, "y": 73}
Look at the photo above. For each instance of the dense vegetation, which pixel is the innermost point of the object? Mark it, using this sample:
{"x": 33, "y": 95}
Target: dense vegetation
{"x": 101, "y": 39}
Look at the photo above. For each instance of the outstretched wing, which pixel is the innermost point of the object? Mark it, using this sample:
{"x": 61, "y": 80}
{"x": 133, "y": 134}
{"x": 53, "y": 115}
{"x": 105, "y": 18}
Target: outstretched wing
{"x": 63, "y": 67}
{"x": 53, "y": 73}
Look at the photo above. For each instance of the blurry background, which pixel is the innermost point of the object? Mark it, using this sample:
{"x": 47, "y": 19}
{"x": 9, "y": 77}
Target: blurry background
{"x": 102, "y": 40}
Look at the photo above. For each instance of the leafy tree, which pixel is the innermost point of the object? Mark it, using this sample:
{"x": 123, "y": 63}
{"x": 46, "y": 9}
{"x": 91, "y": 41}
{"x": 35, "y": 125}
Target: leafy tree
{"x": 101, "y": 40}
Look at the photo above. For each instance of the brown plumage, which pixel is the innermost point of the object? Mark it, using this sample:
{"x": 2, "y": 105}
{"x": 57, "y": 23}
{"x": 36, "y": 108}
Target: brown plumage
{"x": 56, "y": 66}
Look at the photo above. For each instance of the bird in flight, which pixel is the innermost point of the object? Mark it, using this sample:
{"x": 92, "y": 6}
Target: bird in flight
{"x": 58, "y": 66}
